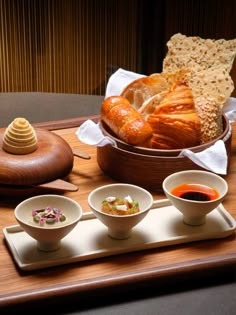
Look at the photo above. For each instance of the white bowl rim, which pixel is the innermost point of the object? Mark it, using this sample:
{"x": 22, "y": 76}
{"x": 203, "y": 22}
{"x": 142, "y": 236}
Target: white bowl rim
{"x": 51, "y": 227}
{"x": 198, "y": 172}
{"x": 120, "y": 184}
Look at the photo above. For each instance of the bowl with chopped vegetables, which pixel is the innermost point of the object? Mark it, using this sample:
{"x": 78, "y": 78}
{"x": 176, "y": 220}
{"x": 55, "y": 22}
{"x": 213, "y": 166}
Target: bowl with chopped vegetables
{"x": 120, "y": 207}
{"x": 48, "y": 219}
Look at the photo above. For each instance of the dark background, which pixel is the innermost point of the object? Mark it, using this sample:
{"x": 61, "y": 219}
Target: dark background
{"x": 73, "y": 46}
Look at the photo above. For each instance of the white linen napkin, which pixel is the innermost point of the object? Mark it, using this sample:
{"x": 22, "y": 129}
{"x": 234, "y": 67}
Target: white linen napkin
{"x": 120, "y": 79}
{"x": 214, "y": 158}
{"x": 218, "y": 164}
{"x": 90, "y": 133}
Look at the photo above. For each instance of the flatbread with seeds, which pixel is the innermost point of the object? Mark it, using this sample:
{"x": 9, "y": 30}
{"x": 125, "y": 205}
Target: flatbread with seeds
{"x": 209, "y": 62}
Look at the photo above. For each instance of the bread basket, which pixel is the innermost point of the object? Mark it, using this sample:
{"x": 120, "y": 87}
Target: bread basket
{"x": 149, "y": 167}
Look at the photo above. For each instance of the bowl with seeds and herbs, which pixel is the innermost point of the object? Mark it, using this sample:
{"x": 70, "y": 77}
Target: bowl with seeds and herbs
{"x": 48, "y": 219}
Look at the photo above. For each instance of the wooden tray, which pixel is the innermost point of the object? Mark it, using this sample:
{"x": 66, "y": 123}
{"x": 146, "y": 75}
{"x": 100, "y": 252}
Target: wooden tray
{"x": 135, "y": 269}
{"x": 163, "y": 226}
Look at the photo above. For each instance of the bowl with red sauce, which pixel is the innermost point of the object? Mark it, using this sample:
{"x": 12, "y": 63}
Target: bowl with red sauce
{"x": 195, "y": 193}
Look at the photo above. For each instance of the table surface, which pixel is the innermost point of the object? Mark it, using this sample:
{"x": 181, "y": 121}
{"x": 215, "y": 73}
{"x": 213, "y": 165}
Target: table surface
{"x": 110, "y": 272}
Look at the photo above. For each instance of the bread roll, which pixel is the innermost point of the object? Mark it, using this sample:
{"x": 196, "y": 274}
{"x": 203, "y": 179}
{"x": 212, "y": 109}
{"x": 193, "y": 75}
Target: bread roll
{"x": 175, "y": 122}
{"x": 210, "y": 115}
{"x": 140, "y": 90}
{"x": 149, "y": 106}
{"x": 125, "y": 121}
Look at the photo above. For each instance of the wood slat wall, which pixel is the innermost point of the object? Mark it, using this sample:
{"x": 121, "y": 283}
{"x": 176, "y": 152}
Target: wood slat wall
{"x": 65, "y": 46}
{"x": 73, "y": 46}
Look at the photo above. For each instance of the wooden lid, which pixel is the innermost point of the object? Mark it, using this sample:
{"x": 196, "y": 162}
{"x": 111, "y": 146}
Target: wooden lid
{"x": 52, "y": 159}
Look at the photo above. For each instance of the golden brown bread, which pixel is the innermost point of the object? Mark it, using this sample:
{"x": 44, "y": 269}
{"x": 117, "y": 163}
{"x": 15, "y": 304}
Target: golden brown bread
{"x": 140, "y": 90}
{"x": 150, "y": 104}
{"x": 20, "y": 137}
{"x": 125, "y": 121}
{"x": 210, "y": 115}
{"x": 174, "y": 121}
{"x": 175, "y": 118}
{"x": 207, "y": 109}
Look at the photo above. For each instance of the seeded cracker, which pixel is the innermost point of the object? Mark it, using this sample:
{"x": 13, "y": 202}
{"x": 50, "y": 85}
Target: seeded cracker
{"x": 209, "y": 62}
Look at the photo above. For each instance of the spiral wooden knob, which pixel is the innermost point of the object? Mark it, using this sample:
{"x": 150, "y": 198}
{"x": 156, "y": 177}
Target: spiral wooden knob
{"x": 20, "y": 137}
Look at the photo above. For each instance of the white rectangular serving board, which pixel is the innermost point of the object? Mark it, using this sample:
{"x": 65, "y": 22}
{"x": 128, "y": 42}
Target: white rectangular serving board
{"x": 162, "y": 226}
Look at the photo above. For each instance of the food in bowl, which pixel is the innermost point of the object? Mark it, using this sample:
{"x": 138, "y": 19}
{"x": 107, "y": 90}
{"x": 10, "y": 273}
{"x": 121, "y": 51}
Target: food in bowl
{"x": 195, "y": 211}
{"x": 225, "y": 136}
{"x": 120, "y": 226}
{"x": 205, "y": 84}
{"x": 48, "y": 216}
{"x": 20, "y": 137}
{"x": 125, "y": 121}
{"x": 172, "y": 123}
{"x": 195, "y": 191}
{"x": 120, "y": 206}
{"x": 48, "y": 236}
{"x": 184, "y": 103}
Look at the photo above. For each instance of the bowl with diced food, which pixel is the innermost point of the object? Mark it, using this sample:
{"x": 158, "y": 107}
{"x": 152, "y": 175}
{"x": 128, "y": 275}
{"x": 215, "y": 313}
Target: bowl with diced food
{"x": 120, "y": 207}
{"x": 48, "y": 219}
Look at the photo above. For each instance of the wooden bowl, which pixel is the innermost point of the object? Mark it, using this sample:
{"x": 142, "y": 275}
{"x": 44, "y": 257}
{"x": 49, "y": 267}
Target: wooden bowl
{"x": 136, "y": 165}
{"x": 53, "y": 159}
{"x": 148, "y": 151}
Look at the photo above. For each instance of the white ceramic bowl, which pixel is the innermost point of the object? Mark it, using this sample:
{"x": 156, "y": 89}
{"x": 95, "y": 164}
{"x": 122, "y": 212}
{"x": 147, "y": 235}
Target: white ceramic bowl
{"x": 48, "y": 236}
{"x": 120, "y": 227}
{"x": 194, "y": 212}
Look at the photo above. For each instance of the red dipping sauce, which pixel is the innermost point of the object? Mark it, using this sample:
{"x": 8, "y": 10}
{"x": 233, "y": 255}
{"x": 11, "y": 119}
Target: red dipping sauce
{"x": 195, "y": 192}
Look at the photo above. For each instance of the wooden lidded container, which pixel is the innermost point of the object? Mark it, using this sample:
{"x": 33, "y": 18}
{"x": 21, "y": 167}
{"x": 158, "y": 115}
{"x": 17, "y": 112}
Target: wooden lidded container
{"x": 21, "y": 173}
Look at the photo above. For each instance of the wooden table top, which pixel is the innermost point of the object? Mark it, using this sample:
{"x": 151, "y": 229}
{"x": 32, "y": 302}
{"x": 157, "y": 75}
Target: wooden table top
{"x": 110, "y": 272}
